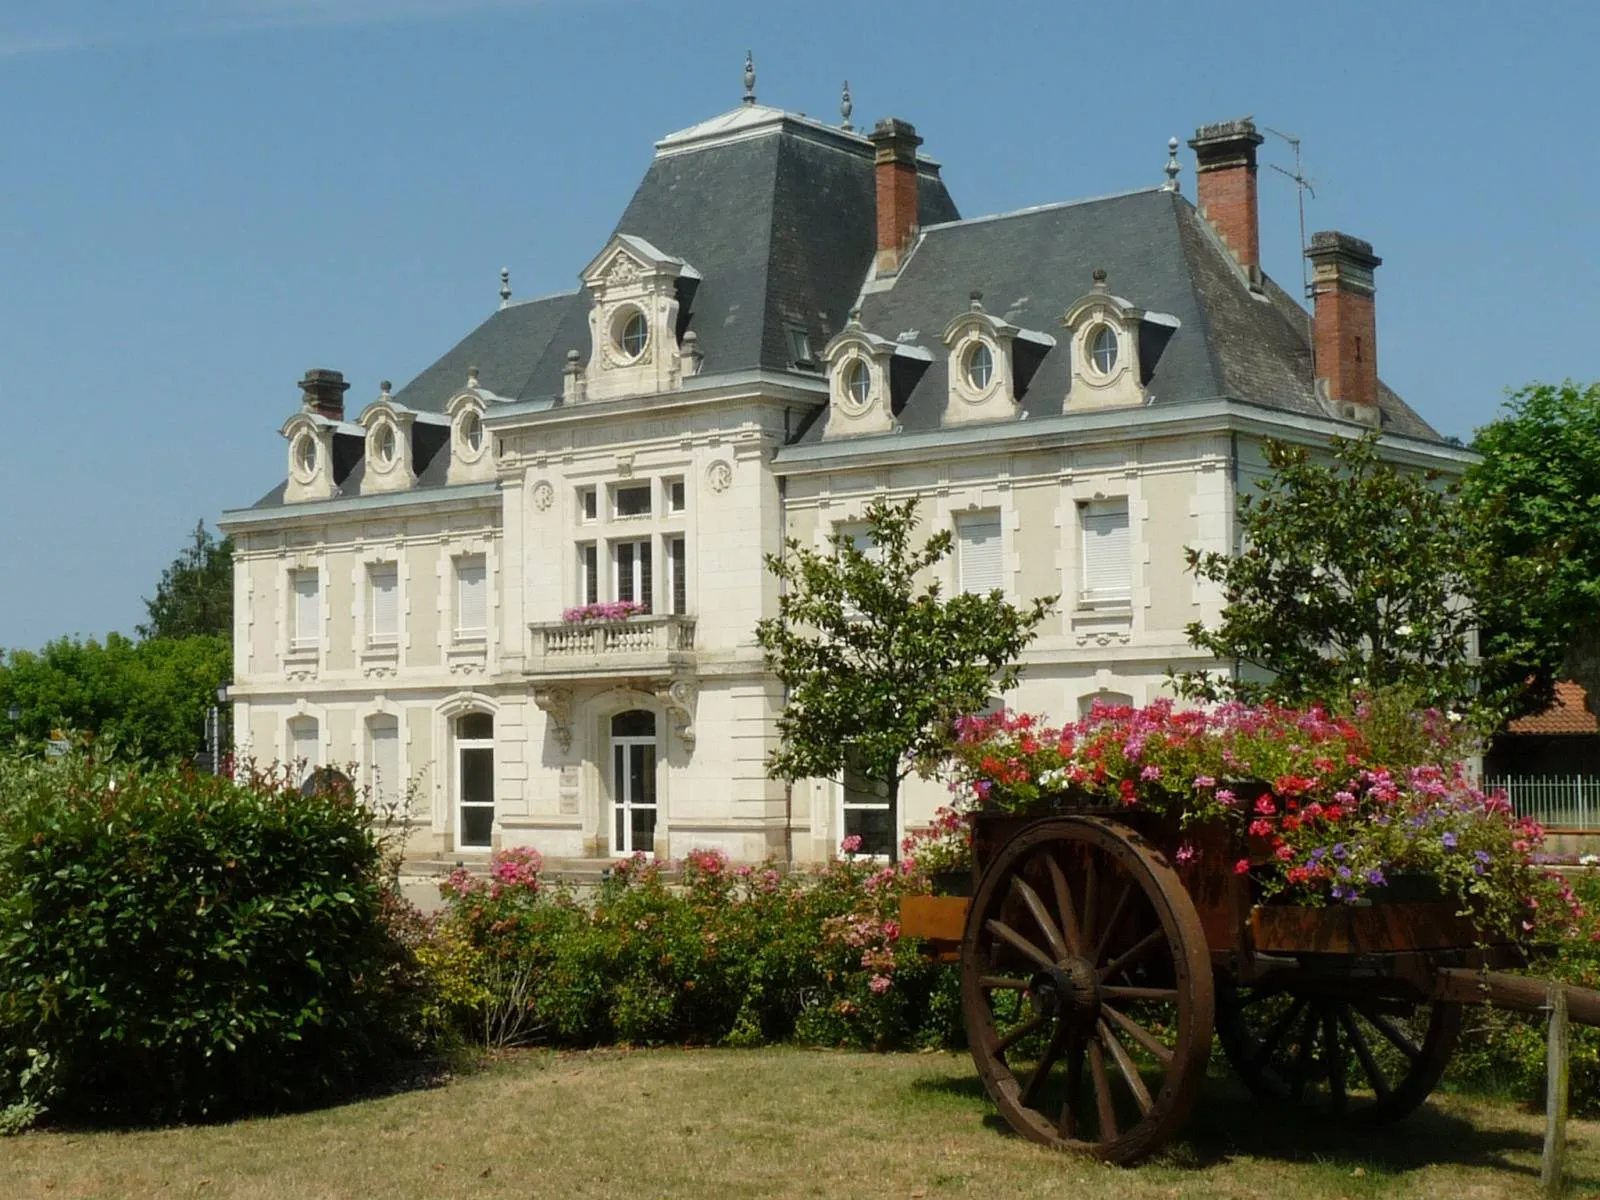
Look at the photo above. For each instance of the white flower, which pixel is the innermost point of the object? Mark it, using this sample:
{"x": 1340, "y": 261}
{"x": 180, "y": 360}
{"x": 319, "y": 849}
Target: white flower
{"x": 1588, "y": 860}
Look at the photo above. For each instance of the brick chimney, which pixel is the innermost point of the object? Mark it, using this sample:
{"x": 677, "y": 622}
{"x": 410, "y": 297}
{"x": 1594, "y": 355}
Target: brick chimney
{"x": 323, "y": 393}
{"x": 1345, "y": 324}
{"x": 895, "y": 145}
{"x": 1225, "y": 186}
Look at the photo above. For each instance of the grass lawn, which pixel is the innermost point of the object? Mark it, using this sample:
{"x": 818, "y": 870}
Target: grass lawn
{"x": 727, "y": 1124}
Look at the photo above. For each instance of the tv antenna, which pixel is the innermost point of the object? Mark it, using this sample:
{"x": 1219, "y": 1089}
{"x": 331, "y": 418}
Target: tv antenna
{"x": 1302, "y": 185}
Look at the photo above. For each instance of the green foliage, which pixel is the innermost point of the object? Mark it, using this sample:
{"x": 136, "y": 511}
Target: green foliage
{"x": 1503, "y": 1053}
{"x": 139, "y": 700}
{"x": 195, "y": 595}
{"x": 878, "y": 667}
{"x": 1535, "y": 501}
{"x": 181, "y": 946}
{"x": 1355, "y": 576}
{"x": 728, "y": 956}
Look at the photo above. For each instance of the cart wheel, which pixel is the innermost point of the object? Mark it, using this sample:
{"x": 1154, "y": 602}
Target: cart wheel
{"x": 1358, "y": 1057}
{"x": 1086, "y": 988}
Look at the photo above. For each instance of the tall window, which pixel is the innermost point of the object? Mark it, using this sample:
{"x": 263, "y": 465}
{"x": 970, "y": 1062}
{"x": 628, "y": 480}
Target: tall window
{"x": 304, "y": 745}
{"x": 383, "y": 604}
{"x": 307, "y": 634}
{"x": 865, "y": 809}
{"x": 630, "y": 572}
{"x": 475, "y": 781}
{"x": 588, "y": 504}
{"x": 978, "y": 557}
{"x": 383, "y": 759}
{"x": 677, "y": 565}
{"x": 1106, "y": 570}
{"x": 472, "y": 600}
{"x": 588, "y": 573}
{"x": 674, "y": 493}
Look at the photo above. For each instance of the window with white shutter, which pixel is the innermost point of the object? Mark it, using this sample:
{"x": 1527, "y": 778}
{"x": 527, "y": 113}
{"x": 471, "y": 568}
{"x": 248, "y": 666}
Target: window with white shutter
{"x": 978, "y": 557}
{"x": 383, "y": 604}
{"x": 307, "y": 612}
{"x": 383, "y": 737}
{"x": 472, "y": 598}
{"x": 304, "y": 745}
{"x": 1106, "y": 565}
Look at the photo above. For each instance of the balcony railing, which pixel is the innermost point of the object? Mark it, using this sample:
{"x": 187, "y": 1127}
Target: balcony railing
{"x": 649, "y": 643}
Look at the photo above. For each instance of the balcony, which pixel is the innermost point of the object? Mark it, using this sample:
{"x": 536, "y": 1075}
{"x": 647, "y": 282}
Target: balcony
{"x": 649, "y": 645}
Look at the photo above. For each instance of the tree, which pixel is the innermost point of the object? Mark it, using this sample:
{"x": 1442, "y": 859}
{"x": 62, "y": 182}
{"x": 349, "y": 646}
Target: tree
{"x": 1535, "y": 502}
{"x": 140, "y": 699}
{"x": 1355, "y": 575}
{"x": 877, "y": 667}
{"x": 195, "y": 595}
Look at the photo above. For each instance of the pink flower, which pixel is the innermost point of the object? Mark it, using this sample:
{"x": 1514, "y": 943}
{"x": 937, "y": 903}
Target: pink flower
{"x": 1242, "y": 867}
{"x": 851, "y": 844}
{"x": 1186, "y": 853}
{"x": 1205, "y": 781}
{"x": 879, "y": 984}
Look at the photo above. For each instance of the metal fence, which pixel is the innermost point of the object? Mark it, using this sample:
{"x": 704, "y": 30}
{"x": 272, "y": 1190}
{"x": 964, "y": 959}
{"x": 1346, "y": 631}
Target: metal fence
{"x": 1555, "y": 801}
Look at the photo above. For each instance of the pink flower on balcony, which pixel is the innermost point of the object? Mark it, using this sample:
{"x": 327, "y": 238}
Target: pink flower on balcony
{"x": 585, "y": 614}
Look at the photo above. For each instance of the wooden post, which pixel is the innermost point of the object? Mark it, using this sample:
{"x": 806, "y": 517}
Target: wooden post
{"x": 1555, "y": 1099}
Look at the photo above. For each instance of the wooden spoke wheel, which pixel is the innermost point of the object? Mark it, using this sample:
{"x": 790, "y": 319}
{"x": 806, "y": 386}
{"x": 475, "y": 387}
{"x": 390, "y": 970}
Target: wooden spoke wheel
{"x": 1339, "y": 1052}
{"x": 1086, "y": 988}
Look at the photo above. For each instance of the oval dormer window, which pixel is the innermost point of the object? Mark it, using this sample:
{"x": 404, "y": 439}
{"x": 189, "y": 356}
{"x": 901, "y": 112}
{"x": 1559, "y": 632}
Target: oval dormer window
{"x": 635, "y": 334}
{"x": 857, "y": 384}
{"x": 305, "y": 454}
{"x": 471, "y": 433}
{"x": 386, "y": 446}
{"x": 980, "y": 367}
{"x": 1103, "y": 349}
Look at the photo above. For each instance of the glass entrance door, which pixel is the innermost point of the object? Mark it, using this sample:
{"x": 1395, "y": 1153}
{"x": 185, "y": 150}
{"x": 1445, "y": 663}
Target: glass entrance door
{"x": 633, "y": 783}
{"x": 475, "y": 781}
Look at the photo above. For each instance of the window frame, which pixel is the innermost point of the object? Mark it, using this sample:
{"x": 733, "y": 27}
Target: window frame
{"x": 640, "y": 572}
{"x": 633, "y": 488}
{"x": 301, "y": 641}
{"x": 994, "y": 517}
{"x": 1106, "y": 598}
{"x": 460, "y": 631}
{"x": 375, "y": 636}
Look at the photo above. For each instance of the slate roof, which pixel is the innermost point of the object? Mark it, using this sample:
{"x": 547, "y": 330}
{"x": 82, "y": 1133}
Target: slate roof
{"x": 777, "y": 215}
{"x": 1159, "y": 255}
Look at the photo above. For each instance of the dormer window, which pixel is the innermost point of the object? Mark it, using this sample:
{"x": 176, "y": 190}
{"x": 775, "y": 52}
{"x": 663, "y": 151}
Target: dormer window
{"x": 471, "y": 433}
{"x": 857, "y": 383}
{"x": 634, "y": 332}
{"x": 800, "y": 347}
{"x": 385, "y": 448}
{"x": 305, "y": 457}
{"x": 1103, "y": 348}
{"x": 980, "y": 367}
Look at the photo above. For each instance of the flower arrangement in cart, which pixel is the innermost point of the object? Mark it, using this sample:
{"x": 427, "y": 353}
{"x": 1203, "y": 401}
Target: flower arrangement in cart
{"x": 1328, "y": 812}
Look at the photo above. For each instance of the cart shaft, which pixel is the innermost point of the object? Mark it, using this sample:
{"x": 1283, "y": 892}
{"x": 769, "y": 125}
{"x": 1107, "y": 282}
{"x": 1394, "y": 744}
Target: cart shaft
{"x": 1516, "y": 992}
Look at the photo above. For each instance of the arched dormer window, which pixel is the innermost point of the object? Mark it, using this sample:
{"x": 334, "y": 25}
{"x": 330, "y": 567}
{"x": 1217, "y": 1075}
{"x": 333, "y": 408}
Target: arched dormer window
{"x": 470, "y": 459}
{"x": 1103, "y": 333}
{"x": 390, "y": 463}
{"x": 310, "y": 457}
{"x": 982, "y": 365}
{"x": 861, "y": 375}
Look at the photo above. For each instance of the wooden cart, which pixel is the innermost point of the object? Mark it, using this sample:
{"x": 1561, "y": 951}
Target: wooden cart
{"x": 1096, "y": 962}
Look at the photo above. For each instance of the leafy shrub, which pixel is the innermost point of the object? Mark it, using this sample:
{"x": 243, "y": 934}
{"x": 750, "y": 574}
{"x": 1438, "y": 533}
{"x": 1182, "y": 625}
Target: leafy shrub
{"x": 733, "y": 956}
{"x": 181, "y": 946}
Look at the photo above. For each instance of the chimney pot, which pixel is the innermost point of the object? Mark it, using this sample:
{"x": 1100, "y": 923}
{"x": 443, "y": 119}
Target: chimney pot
{"x": 1345, "y": 322}
{"x": 322, "y": 391}
{"x": 895, "y": 145}
{"x": 1225, "y": 187}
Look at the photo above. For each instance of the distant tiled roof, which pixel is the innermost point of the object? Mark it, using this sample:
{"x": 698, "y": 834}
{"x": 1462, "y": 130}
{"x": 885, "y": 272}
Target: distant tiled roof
{"x": 1567, "y": 714}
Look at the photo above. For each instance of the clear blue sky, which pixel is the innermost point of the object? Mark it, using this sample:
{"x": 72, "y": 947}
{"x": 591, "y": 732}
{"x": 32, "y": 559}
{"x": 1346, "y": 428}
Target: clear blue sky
{"x": 205, "y": 197}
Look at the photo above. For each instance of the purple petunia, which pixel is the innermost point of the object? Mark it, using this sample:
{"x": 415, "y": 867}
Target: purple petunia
{"x": 1449, "y": 840}
{"x": 1338, "y": 850}
{"x": 1375, "y": 877}
{"x": 1344, "y": 872}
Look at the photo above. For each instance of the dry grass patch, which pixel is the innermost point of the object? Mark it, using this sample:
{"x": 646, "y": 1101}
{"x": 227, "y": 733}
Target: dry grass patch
{"x": 782, "y": 1122}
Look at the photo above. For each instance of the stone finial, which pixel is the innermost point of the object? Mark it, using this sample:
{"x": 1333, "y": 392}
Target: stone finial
{"x": 1172, "y": 168}
{"x": 749, "y": 78}
{"x": 505, "y": 286}
{"x": 975, "y": 300}
{"x": 846, "y": 107}
{"x": 855, "y": 317}
{"x": 690, "y": 353}
{"x": 1100, "y": 279}
{"x": 383, "y": 390}
{"x": 472, "y": 377}
{"x": 574, "y": 362}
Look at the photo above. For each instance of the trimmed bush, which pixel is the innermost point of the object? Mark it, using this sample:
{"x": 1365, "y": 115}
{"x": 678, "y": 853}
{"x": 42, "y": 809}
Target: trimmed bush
{"x": 183, "y": 946}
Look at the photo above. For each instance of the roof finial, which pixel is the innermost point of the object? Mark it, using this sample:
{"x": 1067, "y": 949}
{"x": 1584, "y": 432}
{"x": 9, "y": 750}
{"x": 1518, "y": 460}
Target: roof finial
{"x": 383, "y": 388}
{"x": 846, "y": 107}
{"x": 749, "y": 78}
{"x": 1100, "y": 279}
{"x": 505, "y": 286}
{"x": 1171, "y": 185}
{"x": 472, "y": 377}
{"x": 975, "y": 300}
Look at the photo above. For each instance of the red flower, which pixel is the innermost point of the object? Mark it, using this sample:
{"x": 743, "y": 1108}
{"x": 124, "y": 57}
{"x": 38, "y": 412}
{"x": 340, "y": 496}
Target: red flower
{"x": 1241, "y": 867}
{"x": 1265, "y": 806}
{"x": 1283, "y": 853}
{"x": 1260, "y": 827}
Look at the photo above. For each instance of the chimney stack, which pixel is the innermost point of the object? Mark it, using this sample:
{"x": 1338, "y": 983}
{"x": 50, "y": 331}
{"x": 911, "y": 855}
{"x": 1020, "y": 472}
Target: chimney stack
{"x": 1345, "y": 324}
{"x": 1225, "y": 187}
{"x": 323, "y": 393}
{"x": 895, "y": 145}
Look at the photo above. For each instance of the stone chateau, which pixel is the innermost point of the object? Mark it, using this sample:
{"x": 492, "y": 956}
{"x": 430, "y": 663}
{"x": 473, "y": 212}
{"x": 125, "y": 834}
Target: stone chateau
{"x": 790, "y": 319}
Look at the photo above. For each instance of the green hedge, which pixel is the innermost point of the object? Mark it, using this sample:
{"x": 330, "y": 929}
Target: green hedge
{"x": 181, "y": 946}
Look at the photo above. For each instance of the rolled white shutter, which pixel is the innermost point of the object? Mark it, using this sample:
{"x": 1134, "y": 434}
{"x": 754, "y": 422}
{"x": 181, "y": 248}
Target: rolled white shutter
{"x": 385, "y": 604}
{"x": 303, "y": 742}
{"x": 307, "y": 610}
{"x": 978, "y": 553}
{"x": 471, "y": 598}
{"x": 385, "y": 758}
{"x": 1106, "y": 570}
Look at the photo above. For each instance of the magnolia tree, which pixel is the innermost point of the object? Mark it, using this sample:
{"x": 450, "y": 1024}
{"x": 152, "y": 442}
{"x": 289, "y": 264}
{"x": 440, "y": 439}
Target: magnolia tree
{"x": 876, "y": 663}
{"x": 1355, "y": 575}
